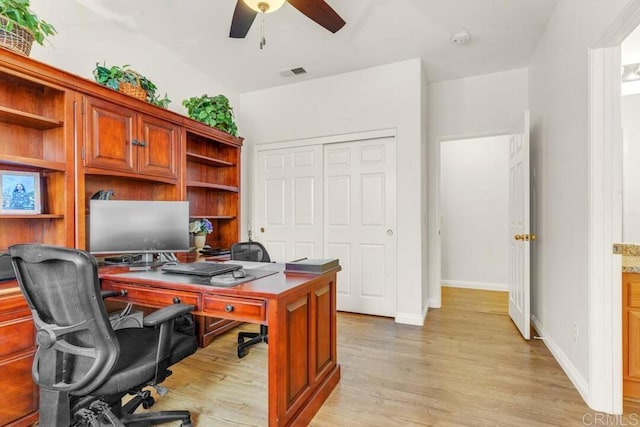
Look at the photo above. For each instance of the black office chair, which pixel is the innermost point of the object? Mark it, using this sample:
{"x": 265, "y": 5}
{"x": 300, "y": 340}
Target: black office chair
{"x": 250, "y": 251}
{"x": 83, "y": 367}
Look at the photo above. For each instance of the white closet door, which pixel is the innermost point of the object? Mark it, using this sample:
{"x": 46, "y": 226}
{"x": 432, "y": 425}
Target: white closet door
{"x": 360, "y": 223}
{"x": 289, "y": 215}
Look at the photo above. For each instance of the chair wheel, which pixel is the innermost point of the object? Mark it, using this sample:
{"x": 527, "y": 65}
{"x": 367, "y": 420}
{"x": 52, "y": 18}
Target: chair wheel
{"x": 241, "y": 353}
{"x": 148, "y": 402}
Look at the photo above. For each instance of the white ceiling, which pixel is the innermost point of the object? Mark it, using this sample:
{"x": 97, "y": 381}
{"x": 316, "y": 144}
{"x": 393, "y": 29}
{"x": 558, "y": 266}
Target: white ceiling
{"x": 504, "y": 36}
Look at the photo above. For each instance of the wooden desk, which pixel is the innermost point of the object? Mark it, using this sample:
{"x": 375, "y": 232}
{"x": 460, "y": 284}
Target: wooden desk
{"x": 300, "y": 310}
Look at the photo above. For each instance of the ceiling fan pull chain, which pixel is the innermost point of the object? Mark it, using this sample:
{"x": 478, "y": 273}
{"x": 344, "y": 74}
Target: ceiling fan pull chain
{"x": 263, "y": 40}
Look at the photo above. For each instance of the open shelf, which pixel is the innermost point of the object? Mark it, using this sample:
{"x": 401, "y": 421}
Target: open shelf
{"x": 218, "y": 217}
{"x": 40, "y": 216}
{"x": 32, "y": 162}
{"x": 20, "y": 118}
{"x": 208, "y": 160}
{"x": 199, "y": 184}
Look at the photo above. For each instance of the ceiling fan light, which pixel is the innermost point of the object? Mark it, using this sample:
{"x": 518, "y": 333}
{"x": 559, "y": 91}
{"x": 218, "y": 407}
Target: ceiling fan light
{"x": 264, "y": 6}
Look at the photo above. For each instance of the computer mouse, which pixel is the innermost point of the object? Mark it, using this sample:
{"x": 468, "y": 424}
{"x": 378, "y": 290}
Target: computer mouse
{"x": 239, "y": 274}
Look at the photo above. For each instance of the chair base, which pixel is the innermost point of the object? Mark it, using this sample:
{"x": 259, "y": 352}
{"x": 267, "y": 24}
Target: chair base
{"x": 98, "y": 412}
{"x": 254, "y": 338}
{"x": 160, "y": 417}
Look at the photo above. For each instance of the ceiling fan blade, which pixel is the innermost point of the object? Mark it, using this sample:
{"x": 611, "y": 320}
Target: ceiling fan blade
{"x": 320, "y": 12}
{"x": 243, "y": 17}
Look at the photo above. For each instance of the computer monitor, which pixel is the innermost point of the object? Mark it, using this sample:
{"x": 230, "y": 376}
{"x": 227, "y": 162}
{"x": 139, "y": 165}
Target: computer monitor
{"x": 138, "y": 227}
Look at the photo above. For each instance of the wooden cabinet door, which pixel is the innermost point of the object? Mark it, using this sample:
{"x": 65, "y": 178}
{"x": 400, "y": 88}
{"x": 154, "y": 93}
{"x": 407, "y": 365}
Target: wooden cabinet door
{"x": 630, "y": 335}
{"x": 17, "y": 347}
{"x": 110, "y": 136}
{"x": 158, "y": 147}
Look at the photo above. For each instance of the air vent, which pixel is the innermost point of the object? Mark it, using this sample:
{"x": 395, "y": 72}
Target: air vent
{"x": 293, "y": 72}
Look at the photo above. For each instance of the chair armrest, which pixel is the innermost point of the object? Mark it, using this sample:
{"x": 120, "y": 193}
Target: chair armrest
{"x": 109, "y": 294}
{"x": 167, "y": 313}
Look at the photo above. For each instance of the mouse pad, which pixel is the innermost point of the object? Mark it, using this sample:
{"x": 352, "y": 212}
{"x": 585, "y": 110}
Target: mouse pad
{"x": 227, "y": 280}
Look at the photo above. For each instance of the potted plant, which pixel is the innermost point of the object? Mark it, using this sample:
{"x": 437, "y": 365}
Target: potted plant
{"x": 127, "y": 80}
{"x": 200, "y": 228}
{"x": 19, "y": 26}
{"x": 214, "y": 111}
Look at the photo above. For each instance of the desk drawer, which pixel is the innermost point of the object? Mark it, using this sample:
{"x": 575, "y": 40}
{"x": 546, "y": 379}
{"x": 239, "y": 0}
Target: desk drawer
{"x": 243, "y": 309}
{"x": 154, "y": 297}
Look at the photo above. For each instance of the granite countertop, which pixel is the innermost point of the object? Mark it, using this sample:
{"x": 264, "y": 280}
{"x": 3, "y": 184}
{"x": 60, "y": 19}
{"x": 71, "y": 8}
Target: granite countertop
{"x": 630, "y": 256}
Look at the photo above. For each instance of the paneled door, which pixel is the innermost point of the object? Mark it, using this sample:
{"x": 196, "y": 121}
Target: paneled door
{"x": 520, "y": 235}
{"x": 289, "y": 215}
{"x": 360, "y": 223}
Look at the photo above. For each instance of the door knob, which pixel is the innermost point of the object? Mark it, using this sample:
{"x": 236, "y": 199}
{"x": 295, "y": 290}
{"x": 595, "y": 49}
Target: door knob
{"x": 519, "y": 237}
{"x": 389, "y": 232}
{"x": 262, "y": 229}
{"x": 529, "y": 237}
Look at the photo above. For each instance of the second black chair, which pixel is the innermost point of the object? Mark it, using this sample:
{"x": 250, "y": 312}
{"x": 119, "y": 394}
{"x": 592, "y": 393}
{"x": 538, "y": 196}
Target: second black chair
{"x": 250, "y": 251}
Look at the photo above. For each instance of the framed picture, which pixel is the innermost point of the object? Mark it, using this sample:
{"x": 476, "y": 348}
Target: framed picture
{"x": 20, "y": 193}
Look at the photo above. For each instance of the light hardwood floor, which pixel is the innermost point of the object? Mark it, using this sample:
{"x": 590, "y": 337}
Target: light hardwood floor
{"x": 468, "y": 366}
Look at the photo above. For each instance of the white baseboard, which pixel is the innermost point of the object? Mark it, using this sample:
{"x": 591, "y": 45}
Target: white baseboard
{"x": 569, "y": 368}
{"x": 409, "y": 319}
{"x": 476, "y": 285}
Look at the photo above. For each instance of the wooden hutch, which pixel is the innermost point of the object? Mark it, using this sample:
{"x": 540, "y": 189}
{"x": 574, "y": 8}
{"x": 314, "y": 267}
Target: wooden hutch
{"x": 81, "y": 137}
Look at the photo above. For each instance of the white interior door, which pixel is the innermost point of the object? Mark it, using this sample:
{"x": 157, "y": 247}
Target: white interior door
{"x": 289, "y": 216}
{"x": 519, "y": 227}
{"x": 360, "y": 223}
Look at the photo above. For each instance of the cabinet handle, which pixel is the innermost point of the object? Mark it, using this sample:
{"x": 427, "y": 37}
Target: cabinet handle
{"x": 228, "y": 308}
{"x": 142, "y": 143}
{"x": 134, "y": 142}
{"x": 124, "y": 293}
{"x": 176, "y": 300}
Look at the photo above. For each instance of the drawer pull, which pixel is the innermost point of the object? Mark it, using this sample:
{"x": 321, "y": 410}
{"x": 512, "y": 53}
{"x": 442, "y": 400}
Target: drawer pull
{"x": 124, "y": 292}
{"x": 228, "y": 308}
{"x": 176, "y": 300}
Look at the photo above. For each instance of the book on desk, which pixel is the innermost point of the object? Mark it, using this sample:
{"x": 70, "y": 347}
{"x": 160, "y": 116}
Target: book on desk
{"x": 309, "y": 265}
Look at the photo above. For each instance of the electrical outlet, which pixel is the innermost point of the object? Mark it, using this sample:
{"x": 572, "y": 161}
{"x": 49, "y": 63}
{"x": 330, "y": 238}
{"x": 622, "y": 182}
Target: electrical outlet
{"x": 576, "y": 332}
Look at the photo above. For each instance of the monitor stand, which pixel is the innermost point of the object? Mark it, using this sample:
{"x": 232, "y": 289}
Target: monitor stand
{"x": 146, "y": 262}
{"x": 147, "y": 258}
{"x": 138, "y": 262}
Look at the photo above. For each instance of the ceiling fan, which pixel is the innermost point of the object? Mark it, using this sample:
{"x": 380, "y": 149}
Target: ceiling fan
{"x": 316, "y": 10}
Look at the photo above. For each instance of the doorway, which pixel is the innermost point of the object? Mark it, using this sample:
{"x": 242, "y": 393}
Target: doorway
{"x": 605, "y": 213}
{"x": 474, "y": 212}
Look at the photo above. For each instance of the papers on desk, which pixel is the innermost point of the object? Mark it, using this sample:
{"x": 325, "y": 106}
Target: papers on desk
{"x": 249, "y": 265}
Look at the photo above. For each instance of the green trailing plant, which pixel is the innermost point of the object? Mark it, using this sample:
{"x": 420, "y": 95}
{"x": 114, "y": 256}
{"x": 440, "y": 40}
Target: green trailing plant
{"x": 112, "y": 76}
{"x": 18, "y": 12}
{"x": 214, "y": 111}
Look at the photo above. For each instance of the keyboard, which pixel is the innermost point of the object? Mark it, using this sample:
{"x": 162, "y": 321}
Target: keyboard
{"x": 206, "y": 269}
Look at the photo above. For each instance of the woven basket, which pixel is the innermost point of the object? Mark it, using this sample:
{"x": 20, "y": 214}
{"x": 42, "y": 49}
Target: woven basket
{"x": 132, "y": 90}
{"x": 17, "y": 40}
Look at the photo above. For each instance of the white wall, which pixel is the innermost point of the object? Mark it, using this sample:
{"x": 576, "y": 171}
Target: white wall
{"x": 474, "y": 205}
{"x": 385, "y": 97}
{"x": 631, "y": 169}
{"x": 559, "y": 100}
{"x": 484, "y": 105}
{"x": 106, "y": 40}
